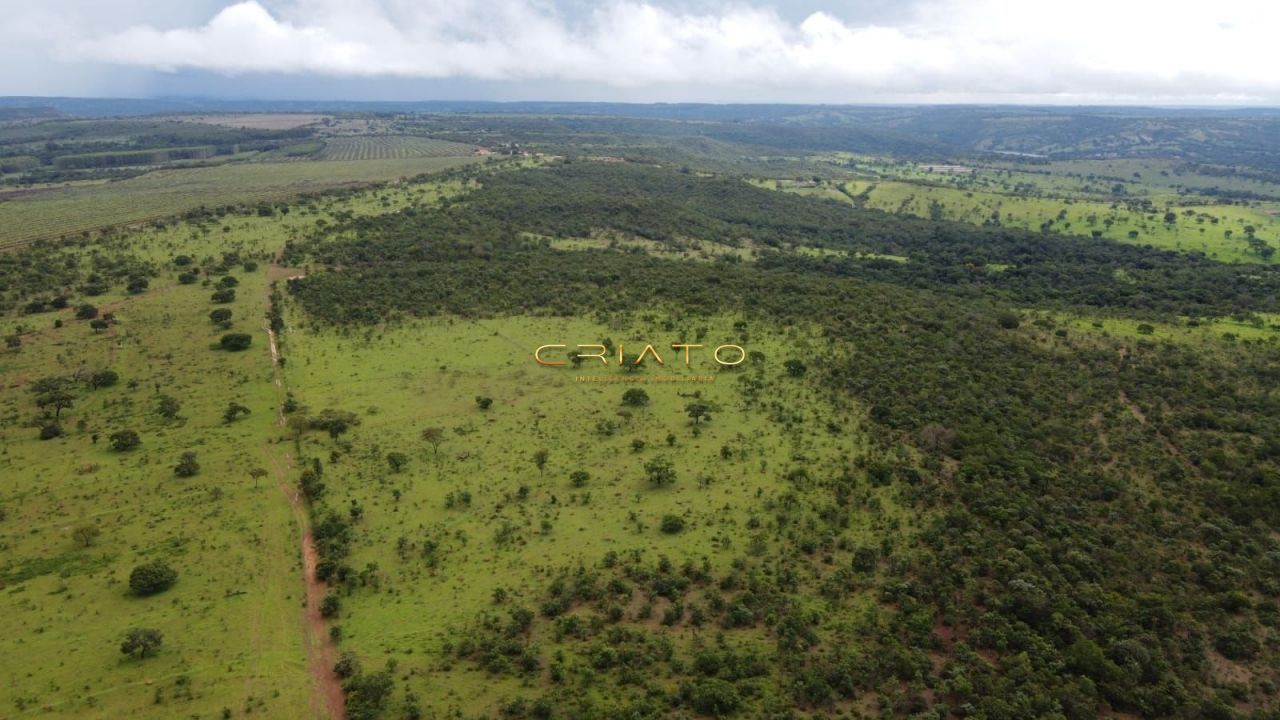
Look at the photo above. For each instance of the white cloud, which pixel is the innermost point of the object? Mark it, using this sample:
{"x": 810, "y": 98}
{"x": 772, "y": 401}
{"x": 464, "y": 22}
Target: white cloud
{"x": 1020, "y": 50}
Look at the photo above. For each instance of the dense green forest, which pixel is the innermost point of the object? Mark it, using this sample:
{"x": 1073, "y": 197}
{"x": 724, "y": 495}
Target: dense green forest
{"x": 576, "y": 199}
{"x": 1095, "y": 514}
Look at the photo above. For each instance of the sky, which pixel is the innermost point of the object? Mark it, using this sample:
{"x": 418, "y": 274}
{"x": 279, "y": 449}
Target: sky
{"x": 1150, "y": 52}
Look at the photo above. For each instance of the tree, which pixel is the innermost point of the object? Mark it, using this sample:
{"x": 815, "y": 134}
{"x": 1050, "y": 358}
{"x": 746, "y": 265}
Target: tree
{"x": 795, "y": 368}
{"x": 221, "y": 317}
{"x": 635, "y": 397}
{"x": 236, "y": 341}
{"x": 141, "y": 642}
{"x": 540, "y": 459}
{"x": 151, "y": 578}
{"x": 714, "y": 696}
{"x": 697, "y": 412}
{"x": 50, "y": 431}
{"x": 483, "y": 402}
{"x": 124, "y": 440}
{"x": 397, "y": 461}
{"x": 330, "y": 606}
{"x": 864, "y": 559}
{"x": 579, "y": 478}
{"x": 1008, "y": 320}
{"x": 366, "y": 695}
{"x": 98, "y": 324}
{"x": 104, "y": 378}
{"x": 85, "y": 535}
{"x": 234, "y": 412}
{"x": 167, "y": 407}
{"x": 224, "y": 295}
{"x": 348, "y": 665}
{"x": 433, "y": 436}
{"x": 58, "y": 399}
{"x": 13, "y": 342}
{"x": 187, "y": 466}
{"x": 86, "y": 312}
{"x": 660, "y": 471}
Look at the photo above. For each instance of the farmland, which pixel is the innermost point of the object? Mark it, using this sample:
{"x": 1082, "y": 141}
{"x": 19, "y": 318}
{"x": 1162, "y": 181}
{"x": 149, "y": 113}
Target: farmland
{"x": 159, "y": 194}
{"x": 390, "y": 147}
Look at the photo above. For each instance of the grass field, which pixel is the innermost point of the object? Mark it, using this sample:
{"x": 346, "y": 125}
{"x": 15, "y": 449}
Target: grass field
{"x": 57, "y": 212}
{"x": 232, "y": 625}
{"x": 390, "y": 147}
{"x": 1218, "y": 231}
{"x": 432, "y": 567}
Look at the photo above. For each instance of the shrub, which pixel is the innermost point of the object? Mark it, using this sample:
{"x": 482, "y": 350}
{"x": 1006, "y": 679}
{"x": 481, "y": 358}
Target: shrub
{"x": 187, "y": 466}
{"x": 236, "y": 342}
{"x": 635, "y": 397}
{"x": 124, "y": 440}
{"x": 151, "y": 578}
{"x": 672, "y": 524}
{"x": 330, "y": 606}
{"x": 104, "y": 378}
{"x": 716, "y": 697}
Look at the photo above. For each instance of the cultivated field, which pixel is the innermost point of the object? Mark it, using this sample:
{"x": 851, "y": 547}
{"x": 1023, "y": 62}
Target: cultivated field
{"x": 162, "y": 193}
{"x": 390, "y": 147}
{"x": 258, "y": 121}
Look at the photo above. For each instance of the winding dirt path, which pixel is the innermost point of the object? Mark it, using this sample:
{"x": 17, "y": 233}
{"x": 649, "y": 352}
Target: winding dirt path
{"x": 327, "y": 698}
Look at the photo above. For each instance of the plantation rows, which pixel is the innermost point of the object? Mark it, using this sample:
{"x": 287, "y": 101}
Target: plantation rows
{"x": 390, "y": 147}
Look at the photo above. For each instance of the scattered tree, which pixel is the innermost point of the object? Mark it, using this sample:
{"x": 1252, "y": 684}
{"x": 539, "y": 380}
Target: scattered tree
{"x": 397, "y": 461}
{"x": 187, "y": 466}
{"x": 672, "y": 524}
{"x": 151, "y": 578}
{"x": 167, "y": 407}
{"x": 124, "y": 440}
{"x": 635, "y": 397}
{"x": 660, "y": 471}
{"x": 139, "y": 643}
{"x": 236, "y": 341}
{"x": 86, "y": 535}
{"x": 234, "y": 412}
{"x": 104, "y": 378}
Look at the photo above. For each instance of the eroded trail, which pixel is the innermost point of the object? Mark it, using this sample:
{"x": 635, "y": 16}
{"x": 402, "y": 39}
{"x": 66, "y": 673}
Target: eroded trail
{"x": 327, "y": 698}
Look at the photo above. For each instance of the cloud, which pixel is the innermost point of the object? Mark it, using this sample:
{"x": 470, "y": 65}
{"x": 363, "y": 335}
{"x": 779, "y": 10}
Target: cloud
{"x": 1083, "y": 50}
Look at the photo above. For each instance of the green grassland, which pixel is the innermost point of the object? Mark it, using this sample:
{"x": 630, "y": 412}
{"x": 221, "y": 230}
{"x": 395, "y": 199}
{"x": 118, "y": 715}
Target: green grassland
{"x": 428, "y": 373}
{"x": 1195, "y": 228}
{"x": 162, "y": 193}
{"x": 1264, "y": 327}
{"x": 233, "y": 635}
{"x": 231, "y": 625}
